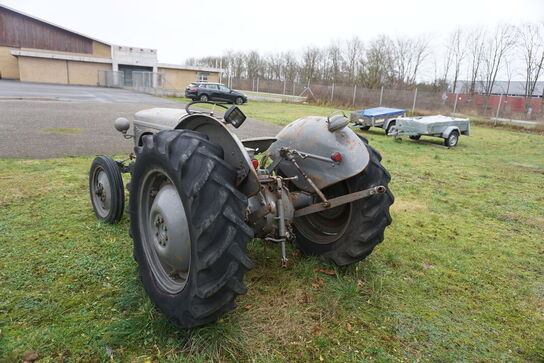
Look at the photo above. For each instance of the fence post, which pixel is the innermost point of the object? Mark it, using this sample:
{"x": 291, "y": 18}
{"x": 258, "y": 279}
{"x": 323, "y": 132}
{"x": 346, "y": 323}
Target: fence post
{"x": 498, "y": 109}
{"x": 284, "y": 85}
{"x": 381, "y": 96}
{"x": 257, "y": 84}
{"x": 455, "y": 103}
{"x": 293, "y": 87}
{"x": 414, "y": 104}
{"x": 332, "y": 92}
{"x": 354, "y": 93}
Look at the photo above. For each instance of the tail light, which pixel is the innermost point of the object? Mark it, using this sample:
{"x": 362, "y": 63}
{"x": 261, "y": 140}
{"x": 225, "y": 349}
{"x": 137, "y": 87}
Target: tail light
{"x": 336, "y": 157}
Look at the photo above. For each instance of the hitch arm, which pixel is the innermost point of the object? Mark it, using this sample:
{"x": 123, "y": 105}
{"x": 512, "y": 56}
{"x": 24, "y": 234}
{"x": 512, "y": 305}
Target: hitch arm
{"x": 338, "y": 201}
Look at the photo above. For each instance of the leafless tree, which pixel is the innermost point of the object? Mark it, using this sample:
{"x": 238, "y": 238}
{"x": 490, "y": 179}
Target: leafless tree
{"x": 309, "y": 66}
{"x": 475, "y": 45}
{"x": 334, "y": 53}
{"x": 409, "y": 53}
{"x": 378, "y": 65}
{"x": 291, "y": 67}
{"x": 532, "y": 48}
{"x": 457, "y": 52}
{"x": 253, "y": 64}
{"x": 497, "y": 47}
{"x": 353, "y": 52}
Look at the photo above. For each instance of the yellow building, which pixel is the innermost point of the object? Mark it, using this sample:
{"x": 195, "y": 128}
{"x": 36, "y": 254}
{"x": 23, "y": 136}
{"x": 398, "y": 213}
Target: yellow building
{"x": 34, "y": 50}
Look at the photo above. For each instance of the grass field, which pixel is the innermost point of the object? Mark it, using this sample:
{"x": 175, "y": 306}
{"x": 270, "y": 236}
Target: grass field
{"x": 459, "y": 277}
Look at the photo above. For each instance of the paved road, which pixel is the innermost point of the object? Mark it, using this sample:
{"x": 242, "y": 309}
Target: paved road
{"x": 35, "y": 125}
{"x": 15, "y": 90}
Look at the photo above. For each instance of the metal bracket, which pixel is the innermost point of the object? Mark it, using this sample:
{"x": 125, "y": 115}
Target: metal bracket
{"x": 338, "y": 201}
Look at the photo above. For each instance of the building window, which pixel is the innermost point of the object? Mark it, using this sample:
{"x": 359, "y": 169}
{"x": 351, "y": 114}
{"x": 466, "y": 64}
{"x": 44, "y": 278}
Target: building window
{"x": 202, "y": 76}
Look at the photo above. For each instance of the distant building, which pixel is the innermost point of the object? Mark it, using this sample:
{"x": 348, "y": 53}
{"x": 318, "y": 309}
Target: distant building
{"x": 34, "y": 50}
{"x": 506, "y": 88}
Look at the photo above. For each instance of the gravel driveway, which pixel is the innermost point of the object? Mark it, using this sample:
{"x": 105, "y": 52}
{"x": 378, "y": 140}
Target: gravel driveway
{"x": 44, "y": 121}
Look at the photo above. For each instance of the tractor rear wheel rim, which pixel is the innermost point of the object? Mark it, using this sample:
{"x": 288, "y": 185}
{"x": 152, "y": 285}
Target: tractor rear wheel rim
{"x": 164, "y": 230}
{"x": 327, "y": 226}
{"x": 101, "y": 192}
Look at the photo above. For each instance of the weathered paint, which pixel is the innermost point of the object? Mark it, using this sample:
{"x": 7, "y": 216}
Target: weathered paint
{"x": 311, "y": 135}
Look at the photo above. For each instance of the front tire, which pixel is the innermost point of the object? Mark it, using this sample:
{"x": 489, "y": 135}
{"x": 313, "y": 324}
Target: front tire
{"x": 348, "y": 233}
{"x": 238, "y": 101}
{"x": 204, "y": 98}
{"x": 187, "y": 224}
{"x": 106, "y": 189}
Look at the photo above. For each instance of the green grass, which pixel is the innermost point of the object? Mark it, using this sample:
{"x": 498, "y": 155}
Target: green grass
{"x": 279, "y": 113}
{"x": 459, "y": 277}
{"x": 63, "y": 131}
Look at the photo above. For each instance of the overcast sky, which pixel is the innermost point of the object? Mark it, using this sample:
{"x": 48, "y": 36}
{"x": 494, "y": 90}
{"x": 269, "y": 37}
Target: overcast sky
{"x": 182, "y": 29}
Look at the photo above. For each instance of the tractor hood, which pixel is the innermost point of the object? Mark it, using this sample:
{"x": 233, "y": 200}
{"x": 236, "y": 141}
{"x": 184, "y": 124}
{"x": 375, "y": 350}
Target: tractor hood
{"x": 311, "y": 135}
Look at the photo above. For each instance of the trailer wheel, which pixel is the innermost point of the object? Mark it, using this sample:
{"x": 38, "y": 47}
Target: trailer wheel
{"x": 391, "y": 124}
{"x": 188, "y": 228}
{"x": 348, "y": 233}
{"x": 415, "y": 137}
{"x": 106, "y": 189}
{"x": 452, "y": 139}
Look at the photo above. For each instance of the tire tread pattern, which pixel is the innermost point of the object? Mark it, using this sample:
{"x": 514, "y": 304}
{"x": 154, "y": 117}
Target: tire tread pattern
{"x": 215, "y": 210}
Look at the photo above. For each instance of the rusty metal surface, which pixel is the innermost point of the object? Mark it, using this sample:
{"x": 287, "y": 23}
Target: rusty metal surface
{"x": 335, "y": 202}
{"x": 311, "y": 135}
{"x": 20, "y": 31}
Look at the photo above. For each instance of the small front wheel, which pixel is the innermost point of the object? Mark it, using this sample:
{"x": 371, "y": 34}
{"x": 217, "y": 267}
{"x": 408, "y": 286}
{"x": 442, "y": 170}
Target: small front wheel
{"x": 106, "y": 188}
{"x": 452, "y": 139}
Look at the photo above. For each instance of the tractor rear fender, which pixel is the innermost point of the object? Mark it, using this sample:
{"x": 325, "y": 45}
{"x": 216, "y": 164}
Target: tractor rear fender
{"x": 234, "y": 151}
{"x": 153, "y": 120}
{"x": 448, "y": 130}
{"x": 311, "y": 135}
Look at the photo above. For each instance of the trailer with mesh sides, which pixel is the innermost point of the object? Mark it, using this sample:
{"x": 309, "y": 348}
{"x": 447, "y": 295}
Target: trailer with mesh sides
{"x": 447, "y": 127}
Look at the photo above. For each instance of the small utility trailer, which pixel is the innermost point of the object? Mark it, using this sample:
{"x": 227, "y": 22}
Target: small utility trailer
{"x": 383, "y": 117}
{"x": 446, "y": 127}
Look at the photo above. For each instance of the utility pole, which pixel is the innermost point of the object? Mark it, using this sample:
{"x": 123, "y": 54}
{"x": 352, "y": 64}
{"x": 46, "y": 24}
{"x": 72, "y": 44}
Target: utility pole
{"x": 414, "y": 104}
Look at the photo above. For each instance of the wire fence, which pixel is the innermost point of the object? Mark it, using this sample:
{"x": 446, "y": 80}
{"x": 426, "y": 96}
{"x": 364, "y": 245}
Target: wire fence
{"x": 413, "y": 100}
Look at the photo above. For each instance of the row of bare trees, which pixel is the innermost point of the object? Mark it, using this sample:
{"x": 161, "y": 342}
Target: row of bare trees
{"x": 478, "y": 56}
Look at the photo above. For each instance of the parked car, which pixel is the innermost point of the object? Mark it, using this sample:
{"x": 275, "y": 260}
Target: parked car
{"x": 208, "y": 91}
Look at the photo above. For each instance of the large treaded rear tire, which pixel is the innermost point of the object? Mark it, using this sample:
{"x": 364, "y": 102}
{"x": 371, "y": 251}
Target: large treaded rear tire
{"x": 369, "y": 218}
{"x": 215, "y": 214}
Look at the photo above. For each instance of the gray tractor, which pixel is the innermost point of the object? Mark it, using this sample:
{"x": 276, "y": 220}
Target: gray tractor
{"x": 198, "y": 195}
